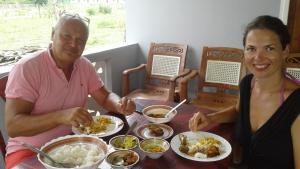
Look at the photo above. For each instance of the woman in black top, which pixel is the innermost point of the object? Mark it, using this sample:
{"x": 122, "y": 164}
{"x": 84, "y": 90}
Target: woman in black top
{"x": 267, "y": 113}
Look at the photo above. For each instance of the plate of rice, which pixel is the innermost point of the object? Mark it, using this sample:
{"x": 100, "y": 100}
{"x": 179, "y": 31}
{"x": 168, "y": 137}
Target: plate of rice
{"x": 201, "y": 146}
{"x": 102, "y": 126}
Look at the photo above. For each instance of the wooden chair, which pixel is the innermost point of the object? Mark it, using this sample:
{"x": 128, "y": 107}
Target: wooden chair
{"x": 292, "y": 65}
{"x": 3, "y": 81}
{"x": 3, "y": 145}
{"x": 165, "y": 65}
{"x": 221, "y": 70}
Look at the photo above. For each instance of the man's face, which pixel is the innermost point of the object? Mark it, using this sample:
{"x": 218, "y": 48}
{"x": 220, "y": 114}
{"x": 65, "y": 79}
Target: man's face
{"x": 69, "y": 39}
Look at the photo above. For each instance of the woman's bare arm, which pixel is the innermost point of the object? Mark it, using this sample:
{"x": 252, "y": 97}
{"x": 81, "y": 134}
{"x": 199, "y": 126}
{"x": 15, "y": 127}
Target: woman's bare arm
{"x": 227, "y": 115}
{"x": 296, "y": 141}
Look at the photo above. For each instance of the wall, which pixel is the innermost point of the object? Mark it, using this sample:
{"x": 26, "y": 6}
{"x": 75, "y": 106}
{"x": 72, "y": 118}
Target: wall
{"x": 117, "y": 60}
{"x": 197, "y": 23}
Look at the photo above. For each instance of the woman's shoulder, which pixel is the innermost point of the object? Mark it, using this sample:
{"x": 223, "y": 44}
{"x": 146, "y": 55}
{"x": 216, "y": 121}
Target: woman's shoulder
{"x": 291, "y": 87}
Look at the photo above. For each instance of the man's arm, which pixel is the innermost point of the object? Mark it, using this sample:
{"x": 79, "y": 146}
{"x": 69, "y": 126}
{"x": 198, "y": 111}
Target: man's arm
{"x": 112, "y": 102}
{"x": 20, "y": 122}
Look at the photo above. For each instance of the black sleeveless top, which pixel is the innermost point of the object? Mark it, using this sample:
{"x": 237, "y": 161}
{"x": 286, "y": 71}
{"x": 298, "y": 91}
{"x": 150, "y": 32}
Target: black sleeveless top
{"x": 270, "y": 147}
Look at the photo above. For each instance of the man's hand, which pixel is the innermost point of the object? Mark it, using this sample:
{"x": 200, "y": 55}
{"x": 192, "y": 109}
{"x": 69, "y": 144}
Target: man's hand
{"x": 126, "y": 106}
{"x": 76, "y": 116}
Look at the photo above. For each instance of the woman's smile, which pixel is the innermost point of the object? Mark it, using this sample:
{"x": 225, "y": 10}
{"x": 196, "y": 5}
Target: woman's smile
{"x": 261, "y": 67}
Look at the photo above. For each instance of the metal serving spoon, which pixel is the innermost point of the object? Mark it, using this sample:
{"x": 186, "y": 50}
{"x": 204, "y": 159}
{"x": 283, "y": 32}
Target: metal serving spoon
{"x": 174, "y": 108}
{"x": 56, "y": 164}
{"x": 129, "y": 130}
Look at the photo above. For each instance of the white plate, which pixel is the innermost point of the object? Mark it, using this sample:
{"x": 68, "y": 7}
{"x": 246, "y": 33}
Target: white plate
{"x": 226, "y": 147}
{"x": 144, "y": 132}
{"x": 111, "y": 129}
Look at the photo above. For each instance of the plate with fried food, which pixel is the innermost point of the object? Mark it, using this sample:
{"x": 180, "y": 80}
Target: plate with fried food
{"x": 153, "y": 130}
{"x": 102, "y": 126}
{"x": 200, "y": 146}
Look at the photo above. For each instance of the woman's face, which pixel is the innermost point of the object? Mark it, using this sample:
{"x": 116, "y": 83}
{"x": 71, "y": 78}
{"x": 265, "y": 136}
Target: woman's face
{"x": 263, "y": 52}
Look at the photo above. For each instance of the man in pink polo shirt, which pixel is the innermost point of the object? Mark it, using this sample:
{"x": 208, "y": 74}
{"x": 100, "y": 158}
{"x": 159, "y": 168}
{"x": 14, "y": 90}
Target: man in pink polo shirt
{"x": 46, "y": 93}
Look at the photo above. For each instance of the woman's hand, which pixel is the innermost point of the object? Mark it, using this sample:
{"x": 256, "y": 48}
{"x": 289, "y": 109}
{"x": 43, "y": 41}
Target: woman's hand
{"x": 126, "y": 106}
{"x": 75, "y": 116}
{"x": 199, "y": 121}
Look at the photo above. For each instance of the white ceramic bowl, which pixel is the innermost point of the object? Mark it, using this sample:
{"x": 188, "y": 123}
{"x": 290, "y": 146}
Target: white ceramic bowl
{"x": 118, "y": 156}
{"x": 148, "y": 145}
{"x": 117, "y": 142}
{"x": 157, "y": 110}
{"x": 80, "y": 141}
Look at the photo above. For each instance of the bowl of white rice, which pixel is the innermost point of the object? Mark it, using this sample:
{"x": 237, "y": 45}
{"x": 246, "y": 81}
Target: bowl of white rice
{"x": 84, "y": 151}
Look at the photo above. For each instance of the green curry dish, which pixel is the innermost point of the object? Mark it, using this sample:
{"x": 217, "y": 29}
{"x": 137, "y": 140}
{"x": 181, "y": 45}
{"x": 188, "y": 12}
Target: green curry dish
{"x": 128, "y": 143}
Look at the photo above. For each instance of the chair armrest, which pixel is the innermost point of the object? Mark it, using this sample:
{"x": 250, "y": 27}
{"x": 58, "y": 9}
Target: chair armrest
{"x": 3, "y": 82}
{"x": 132, "y": 70}
{"x": 191, "y": 75}
{"x": 183, "y": 84}
{"x": 183, "y": 74}
{"x": 172, "y": 85}
{"x": 125, "y": 78}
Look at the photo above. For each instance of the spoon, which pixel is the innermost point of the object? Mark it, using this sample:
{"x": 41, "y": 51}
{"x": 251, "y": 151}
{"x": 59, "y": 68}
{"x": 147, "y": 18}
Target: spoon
{"x": 118, "y": 161}
{"x": 56, "y": 164}
{"x": 129, "y": 130}
{"x": 174, "y": 108}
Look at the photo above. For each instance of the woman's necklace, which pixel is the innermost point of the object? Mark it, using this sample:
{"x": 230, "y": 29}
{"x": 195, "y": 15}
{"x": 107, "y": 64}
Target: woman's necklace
{"x": 282, "y": 89}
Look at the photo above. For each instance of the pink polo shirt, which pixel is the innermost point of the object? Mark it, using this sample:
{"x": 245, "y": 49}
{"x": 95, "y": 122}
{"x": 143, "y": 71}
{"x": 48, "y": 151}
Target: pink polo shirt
{"x": 37, "y": 79}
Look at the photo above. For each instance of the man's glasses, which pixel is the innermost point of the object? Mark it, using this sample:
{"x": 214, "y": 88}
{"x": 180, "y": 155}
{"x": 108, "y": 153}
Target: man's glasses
{"x": 76, "y": 16}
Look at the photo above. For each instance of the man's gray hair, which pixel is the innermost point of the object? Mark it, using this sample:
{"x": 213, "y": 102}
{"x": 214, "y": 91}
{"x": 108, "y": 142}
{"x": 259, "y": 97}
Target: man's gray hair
{"x": 65, "y": 17}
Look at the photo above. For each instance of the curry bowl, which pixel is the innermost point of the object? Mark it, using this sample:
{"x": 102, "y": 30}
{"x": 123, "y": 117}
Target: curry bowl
{"x": 121, "y": 159}
{"x": 121, "y": 142}
{"x": 154, "y": 148}
{"x": 82, "y": 151}
{"x": 157, "y": 113}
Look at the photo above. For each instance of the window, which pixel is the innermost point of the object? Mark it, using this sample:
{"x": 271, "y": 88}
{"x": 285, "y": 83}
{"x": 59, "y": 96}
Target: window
{"x": 26, "y": 26}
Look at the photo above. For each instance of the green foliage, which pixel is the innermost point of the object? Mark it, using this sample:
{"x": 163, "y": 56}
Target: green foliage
{"x": 106, "y": 24}
{"x": 40, "y": 2}
{"x": 21, "y": 12}
{"x": 15, "y": 1}
{"x": 105, "y": 9}
{"x": 91, "y": 11}
{"x": 37, "y": 2}
{"x": 93, "y": 41}
{"x": 20, "y": 32}
{"x": 17, "y": 32}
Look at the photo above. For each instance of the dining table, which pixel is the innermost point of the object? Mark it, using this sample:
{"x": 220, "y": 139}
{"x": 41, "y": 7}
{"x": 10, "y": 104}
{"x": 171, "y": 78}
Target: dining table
{"x": 169, "y": 160}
